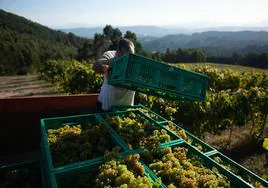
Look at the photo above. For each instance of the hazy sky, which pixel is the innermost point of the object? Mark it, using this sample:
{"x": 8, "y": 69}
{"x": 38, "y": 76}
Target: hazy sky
{"x": 57, "y": 13}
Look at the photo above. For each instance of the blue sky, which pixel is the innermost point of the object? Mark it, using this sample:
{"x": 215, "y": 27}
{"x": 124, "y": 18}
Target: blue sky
{"x": 191, "y": 13}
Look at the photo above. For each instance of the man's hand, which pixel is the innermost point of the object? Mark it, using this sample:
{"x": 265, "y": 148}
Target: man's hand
{"x": 100, "y": 66}
{"x": 105, "y": 69}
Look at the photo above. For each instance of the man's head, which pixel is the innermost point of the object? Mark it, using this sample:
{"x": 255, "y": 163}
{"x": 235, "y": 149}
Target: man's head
{"x": 126, "y": 46}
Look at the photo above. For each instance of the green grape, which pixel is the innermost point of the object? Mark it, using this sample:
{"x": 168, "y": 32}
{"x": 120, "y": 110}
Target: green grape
{"x": 70, "y": 144}
{"x": 110, "y": 155}
{"x": 175, "y": 168}
{"x": 171, "y": 186}
{"x": 127, "y": 172}
{"x": 181, "y": 133}
{"x": 137, "y": 131}
{"x": 151, "y": 115}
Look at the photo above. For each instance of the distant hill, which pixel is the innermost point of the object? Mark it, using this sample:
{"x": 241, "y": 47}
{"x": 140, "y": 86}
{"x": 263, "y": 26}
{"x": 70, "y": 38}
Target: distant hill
{"x": 140, "y": 30}
{"x": 157, "y": 31}
{"x": 83, "y": 31}
{"x": 25, "y": 44}
{"x": 25, "y": 26}
{"x": 214, "y": 42}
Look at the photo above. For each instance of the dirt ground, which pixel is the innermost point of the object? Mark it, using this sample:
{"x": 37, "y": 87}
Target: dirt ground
{"x": 242, "y": 148}
{"x": 29, "y": 85}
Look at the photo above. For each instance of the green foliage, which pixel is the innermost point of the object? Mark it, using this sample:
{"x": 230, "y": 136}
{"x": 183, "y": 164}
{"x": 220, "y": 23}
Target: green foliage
{"x": 24, "y": 26}
{"x": 26, "y": 45}
{"x": 72, "y": 76}
{"x": 234, "y": 98}
{"x": 184, "y": 55}
{"x": 219, "y": 112}
{"x": 86, "y": 51}
{"x": 108, "y": 40}
{"x": 265, "y": 144}
{"x": 132, "y": 36}
{"x": 79, "y": 77}
{"x": 21, "y": 52}
{"x": 112, "y": 34}
{"x": 53, "y": 70}
{"x": 188, "y": 55}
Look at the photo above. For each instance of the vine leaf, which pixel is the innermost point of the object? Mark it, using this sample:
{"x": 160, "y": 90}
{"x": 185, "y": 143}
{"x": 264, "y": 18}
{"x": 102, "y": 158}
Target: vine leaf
{"x": 265, "y": 144}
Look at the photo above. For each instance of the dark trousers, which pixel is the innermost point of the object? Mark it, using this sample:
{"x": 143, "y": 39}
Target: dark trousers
{"x": 99, "y": 107}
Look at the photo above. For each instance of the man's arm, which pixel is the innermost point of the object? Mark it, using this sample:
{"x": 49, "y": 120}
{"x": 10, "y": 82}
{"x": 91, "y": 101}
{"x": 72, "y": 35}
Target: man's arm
{"x": 100, "y": 65}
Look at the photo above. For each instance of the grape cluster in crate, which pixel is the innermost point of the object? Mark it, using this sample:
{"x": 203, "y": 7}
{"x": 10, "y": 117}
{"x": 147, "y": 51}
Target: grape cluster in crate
{"x": 133, "y": 147}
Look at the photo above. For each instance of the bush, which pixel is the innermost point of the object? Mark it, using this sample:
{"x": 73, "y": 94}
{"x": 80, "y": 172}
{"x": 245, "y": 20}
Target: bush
{"x": 80, "y": 78}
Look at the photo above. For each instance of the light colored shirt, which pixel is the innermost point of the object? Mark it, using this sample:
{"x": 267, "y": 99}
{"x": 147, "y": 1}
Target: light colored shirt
{"x": 111, "y": 95}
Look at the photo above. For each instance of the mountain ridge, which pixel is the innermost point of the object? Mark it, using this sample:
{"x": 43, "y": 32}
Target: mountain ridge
{"x": 159, "y": 31}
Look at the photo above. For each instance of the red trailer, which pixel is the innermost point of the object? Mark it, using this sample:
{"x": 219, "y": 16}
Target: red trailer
{"x": 20, "y": 122}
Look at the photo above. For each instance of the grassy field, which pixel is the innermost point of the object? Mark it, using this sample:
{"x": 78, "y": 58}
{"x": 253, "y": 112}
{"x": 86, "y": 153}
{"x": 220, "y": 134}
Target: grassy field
{"x": 28, "y": 85}
{"x": 223, "y": 66}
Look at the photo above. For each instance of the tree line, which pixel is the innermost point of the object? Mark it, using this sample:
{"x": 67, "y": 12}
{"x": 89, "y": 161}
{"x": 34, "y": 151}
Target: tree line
{"x": 26, "y": 45}
{"x": 193, "y": 55}
{"x": 108, "y": 40}
{"x": 258, "y": 60}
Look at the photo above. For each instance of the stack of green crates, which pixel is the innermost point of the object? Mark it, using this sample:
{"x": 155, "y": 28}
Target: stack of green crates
{"x": 208, "y": 157}
{"x": 145, "y": 75}
{"x": 21, "y": 174}
{"x": 52, "y": 166}
{"x": 239, "y": 176}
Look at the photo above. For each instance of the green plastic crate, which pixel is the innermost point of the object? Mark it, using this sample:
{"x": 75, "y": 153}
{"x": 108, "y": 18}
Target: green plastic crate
{"x": 145, "y": 75}
{"x": 207, "y": 162}
{"x": 190, "y": 138}
{"x": 151, "y": 114}
{"x": 155, "y": 126}
{"x": 239, "y": 170}
{"x": 193, "y": 140}
{"x": 23, "y": 174}
{"x": 65, "y": 179}
{"x": 53, "y": 123}
{"x": 68, "y": 178}
{"x": 234, "y": 167}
